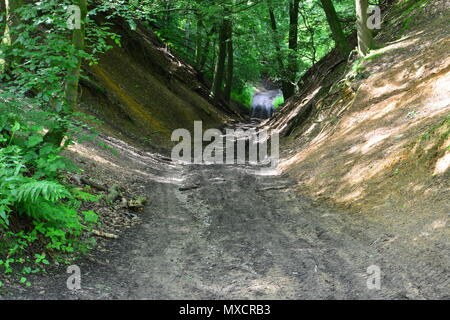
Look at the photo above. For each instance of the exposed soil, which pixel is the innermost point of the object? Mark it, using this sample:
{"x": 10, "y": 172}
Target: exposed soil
{"x": 364, "y": 180}
{"x": 219, "y": 231}
{"x": 143, "y": 91}
{"x": 377, "y": 145}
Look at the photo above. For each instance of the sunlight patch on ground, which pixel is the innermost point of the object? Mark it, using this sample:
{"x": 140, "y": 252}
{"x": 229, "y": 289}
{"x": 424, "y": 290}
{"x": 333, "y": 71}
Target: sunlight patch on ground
{"x": 267, "y": 172}
{"x": 416, "y": 187}
{"x": 90, "y": 153}
{"x": 274, "y": 283}
{"x": 161, "y": 179}
{"x": 403, "y": 42}
{"x": 372, "y": 139}
{"x": 443, "y": 164}
{"x": 429, "y": 229}
{"x": 351, "y": 196}
{"x": 392, "y": 108}
{"x": 440, "y": 95}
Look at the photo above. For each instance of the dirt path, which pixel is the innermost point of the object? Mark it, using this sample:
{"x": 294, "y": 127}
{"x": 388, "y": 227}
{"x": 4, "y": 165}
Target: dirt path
{"x": 228, "y": 232}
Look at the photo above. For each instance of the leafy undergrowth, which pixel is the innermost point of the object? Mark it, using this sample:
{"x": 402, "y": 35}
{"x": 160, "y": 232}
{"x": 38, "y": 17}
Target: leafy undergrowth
{"x": 45, "y": 218}
{"x": 50, "y": 208}
{"x": 41, "y": 217}
{"x": 244, "y": 96}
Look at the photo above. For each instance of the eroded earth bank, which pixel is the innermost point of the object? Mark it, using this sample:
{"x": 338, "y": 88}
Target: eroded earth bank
{"x": 363, "y": 181}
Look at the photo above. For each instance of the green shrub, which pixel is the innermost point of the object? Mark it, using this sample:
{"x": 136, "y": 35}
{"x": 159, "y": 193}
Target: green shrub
{"x": 244, "y": 95}
{"x": 31, "y": 193}
{"x": 278, "y": 102}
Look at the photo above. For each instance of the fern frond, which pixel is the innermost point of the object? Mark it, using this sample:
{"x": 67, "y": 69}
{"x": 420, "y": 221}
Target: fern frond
{"x": 44, "y": 210}
{"x": 51, "y": 191}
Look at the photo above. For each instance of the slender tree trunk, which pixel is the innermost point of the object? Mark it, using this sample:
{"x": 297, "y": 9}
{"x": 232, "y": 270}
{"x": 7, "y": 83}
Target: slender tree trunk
{"x": 2, "y": 14}
{"x": 214, "y": 57}
{"x": 198, "y": 42}
{"x": 12, "y": 18}
{"x": 206, "y": 51}
{"x": 12, "y": 21}
{"x": 289, "y": 87}
{"x": 78, "y": 42}
{"x": 311, "y": 31}
{"x": 204, "y": 55}
{"x": 230, "y": 63}
{"x": 56, "y": 136}
{"x": 365, "y": 40}
{"x": 2, "y": 30}
{"x": 336, "y": 28}
{"x": 187, "y": 34}
{"x": 276, "y": 38}
{"x": 219, "y": 73}
{"x": 167, "y": 16}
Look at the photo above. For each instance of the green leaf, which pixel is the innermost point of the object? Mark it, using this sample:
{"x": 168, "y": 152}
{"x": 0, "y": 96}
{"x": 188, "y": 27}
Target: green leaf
{"x": 90, "y": 216}
{"x": 15, "y": 127}
{"x": 34, "y": 141}
{"x": 132, "y": 24}
{"x": 4, "y": 216}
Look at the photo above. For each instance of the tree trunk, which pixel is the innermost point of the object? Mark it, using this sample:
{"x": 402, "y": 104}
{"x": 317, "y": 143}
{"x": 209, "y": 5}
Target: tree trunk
{"x": 12, "y": 18}
{"x": 2, "y": 30}
{"x": 198, "y": 42}
{"x": 336, "y": 29}
{"x": 56, "y": 136}
{"x": 12, "y": 21}
{"x": 365, "y": 41}
{"x": 2, "y": 14}
{"x": 230, "y": 63}
{"x": 219, "y": 73}
{"x": 289, "y": 87}
{"x": 276, "y": 39}
{"x": 206, "y": 51}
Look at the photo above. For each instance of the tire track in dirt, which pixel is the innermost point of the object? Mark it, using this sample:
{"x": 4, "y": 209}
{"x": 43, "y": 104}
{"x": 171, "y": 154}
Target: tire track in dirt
{"x": 229, "y": 232}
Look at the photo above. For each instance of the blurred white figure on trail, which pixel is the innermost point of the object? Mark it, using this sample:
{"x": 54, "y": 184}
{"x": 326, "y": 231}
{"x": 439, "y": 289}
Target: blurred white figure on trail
{"x": 263, "y": 104}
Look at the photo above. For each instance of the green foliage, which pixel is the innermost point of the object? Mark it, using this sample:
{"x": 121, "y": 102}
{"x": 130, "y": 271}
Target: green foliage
{"x": 40, "y": 59}
{"x": 411, "y": 13}
{"x": 408, "y": 6}
{"x": 34, "y": 191}
{"x": 278, "y": 102}
{"x": 52, "y": 208}
{"x": 21, "y": 171}
{"x": 191, "y": 27}
{"x": 244, "y": 96}
{"x": 36, "y": 209}
{"x": 30, "y": 189}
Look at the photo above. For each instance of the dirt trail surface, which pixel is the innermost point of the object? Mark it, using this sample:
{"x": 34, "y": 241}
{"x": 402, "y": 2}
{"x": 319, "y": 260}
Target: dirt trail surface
{"x": 230, "y": 232}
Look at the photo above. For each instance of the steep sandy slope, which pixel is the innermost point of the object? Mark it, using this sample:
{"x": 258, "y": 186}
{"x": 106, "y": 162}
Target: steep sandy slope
{"x": 374, "y": 144}
{"x": 377, "y": 141}
{"x": 145, "y": 91}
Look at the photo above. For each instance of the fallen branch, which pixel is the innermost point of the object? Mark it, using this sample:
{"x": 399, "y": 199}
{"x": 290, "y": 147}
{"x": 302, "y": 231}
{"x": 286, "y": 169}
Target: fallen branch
{"x": 186, "y": 188}
{"x": 104, "y": 234}
{"x": 93, "y": 184}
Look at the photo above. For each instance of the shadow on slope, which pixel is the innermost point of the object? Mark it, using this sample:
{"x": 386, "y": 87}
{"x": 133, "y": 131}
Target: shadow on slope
{"x": 144, "y": 91}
